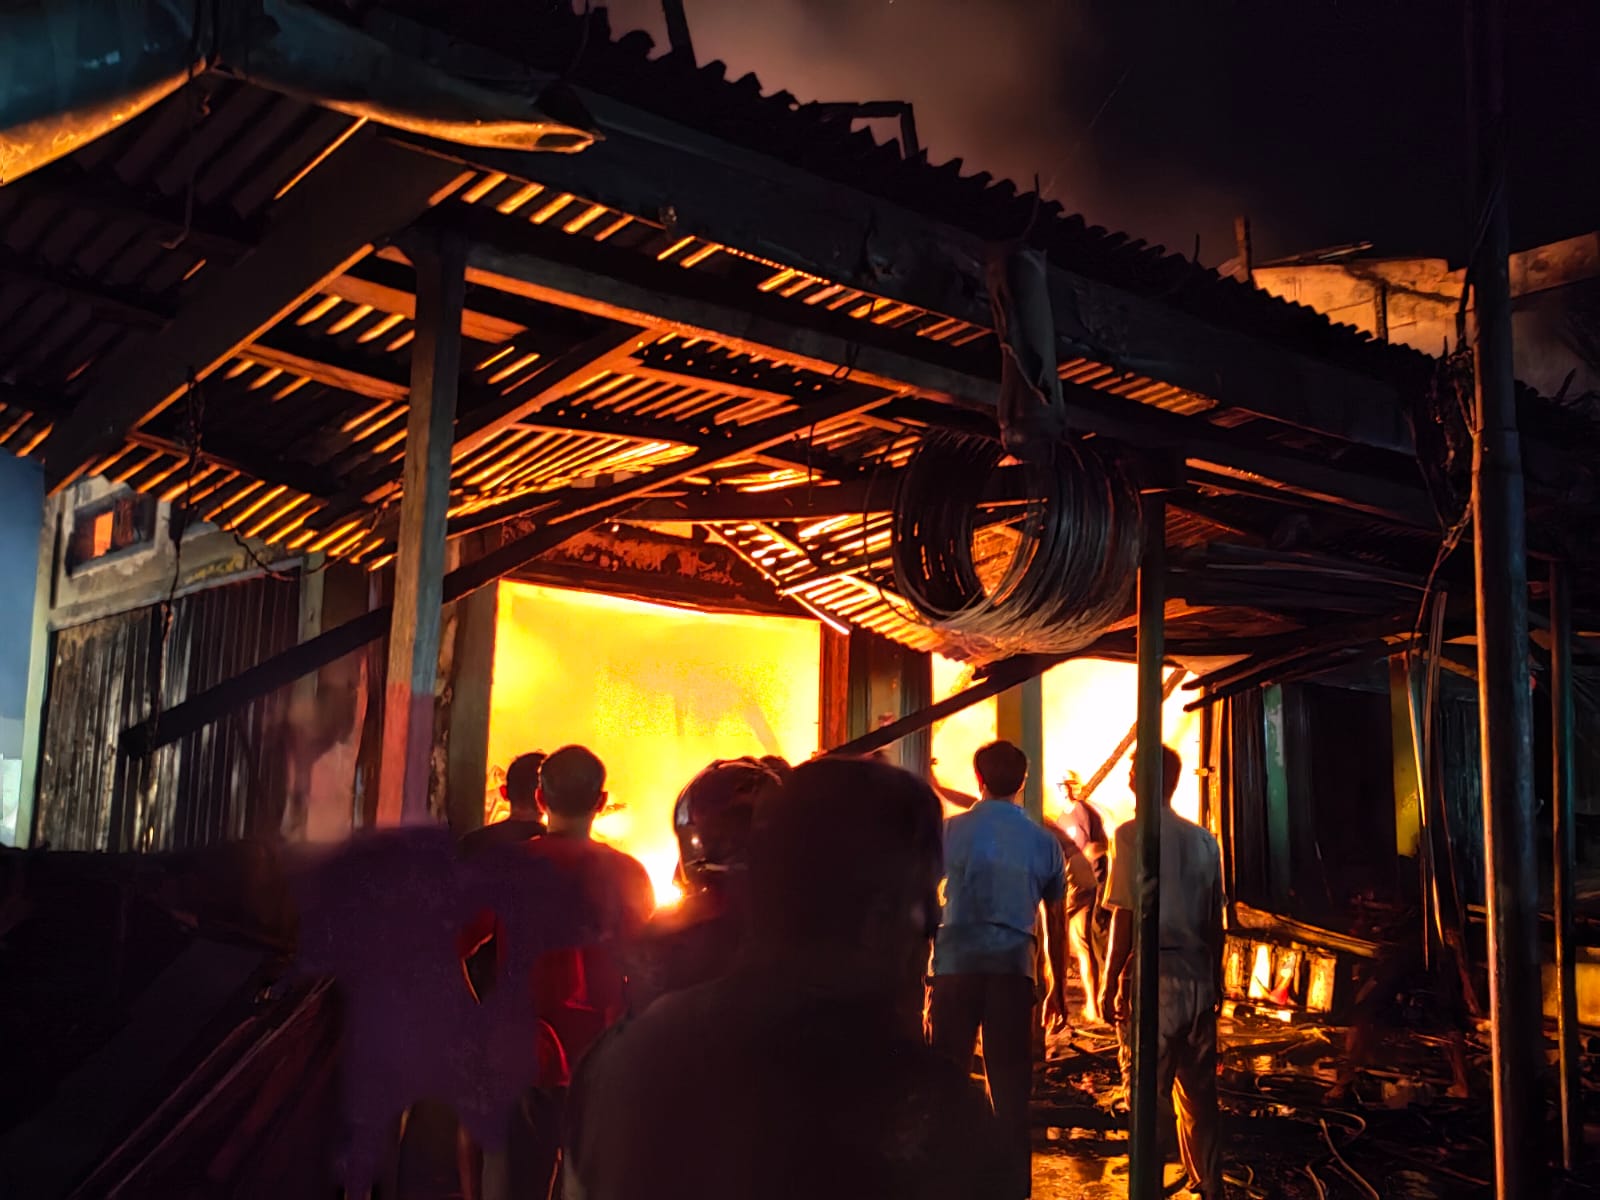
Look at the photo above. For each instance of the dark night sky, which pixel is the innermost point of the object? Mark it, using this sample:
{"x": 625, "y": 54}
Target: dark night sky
{"x": 1326, "y": 121}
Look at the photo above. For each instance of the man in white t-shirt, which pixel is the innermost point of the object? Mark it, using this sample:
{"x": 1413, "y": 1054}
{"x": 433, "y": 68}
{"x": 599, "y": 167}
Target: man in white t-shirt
{"x": 1190, "y": 987}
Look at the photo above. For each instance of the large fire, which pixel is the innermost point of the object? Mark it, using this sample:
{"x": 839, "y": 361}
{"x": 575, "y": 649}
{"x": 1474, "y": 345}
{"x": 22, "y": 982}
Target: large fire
{"x": 656, "y": 692}
{"x": 659, "y": 692}
{"x": 1088, "y": 709}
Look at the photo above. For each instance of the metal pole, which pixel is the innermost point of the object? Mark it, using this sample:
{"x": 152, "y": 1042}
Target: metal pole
{"x": 1505, "y": 707}
{"x": 678, "y": 28}
{"x": 1562, "y": 745}
{"x": 1144, "y": 1154}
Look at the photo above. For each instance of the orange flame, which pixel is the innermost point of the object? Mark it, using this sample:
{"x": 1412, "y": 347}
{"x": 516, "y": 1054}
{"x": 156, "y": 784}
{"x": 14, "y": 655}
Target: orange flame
{"x": 656, "y": 692}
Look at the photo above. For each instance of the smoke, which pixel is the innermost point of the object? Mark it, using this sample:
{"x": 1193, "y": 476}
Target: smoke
{"x": 1022, "y": 89}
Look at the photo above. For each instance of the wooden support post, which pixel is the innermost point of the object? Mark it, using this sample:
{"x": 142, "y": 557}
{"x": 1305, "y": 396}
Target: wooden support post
{"x": 883, "y": 681}
{"x": 1505, "y": 706}
{"x": 1019, "y": 719}
{"x": 916, "y": 693}
{"x": 1144, "y": 1154}
{"x": 419, "y": 562}
{"x": 1563, "y": 746}
{"x": 471, "y": 691}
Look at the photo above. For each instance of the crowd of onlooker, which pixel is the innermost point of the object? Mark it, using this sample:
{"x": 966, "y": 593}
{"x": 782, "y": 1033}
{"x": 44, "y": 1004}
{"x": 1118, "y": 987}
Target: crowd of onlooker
{"x": 779, "y": 1030}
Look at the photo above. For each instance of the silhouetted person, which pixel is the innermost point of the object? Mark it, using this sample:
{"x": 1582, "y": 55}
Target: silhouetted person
{"x": 1082, "y": 901}
{"x": 1082, "y": 822}
{"x": 481, "y": 962}
{"x": 521, "y": 792}
{"x": 577, "y": 993}
{"x": 1190, "y": 985}
{"x": 697, "y": 939}
{"x": 999, "y": 866}
{"x": 803, "y": 1072}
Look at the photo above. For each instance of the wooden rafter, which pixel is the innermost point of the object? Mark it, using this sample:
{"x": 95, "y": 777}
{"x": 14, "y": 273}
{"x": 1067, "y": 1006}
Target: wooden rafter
{"x": 614, "y": 285}
{"x": 217, "y": 449}
{"x": 561, "y": 517}
{"x": 365, "y": 191}
{"x": 745, "y": 440}
{"x": 736, "y": 197}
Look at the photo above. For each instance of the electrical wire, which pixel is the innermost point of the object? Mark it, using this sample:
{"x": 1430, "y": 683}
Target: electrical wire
{"x": 1072, "y": 567}
{"x": 1349, "y": 1170}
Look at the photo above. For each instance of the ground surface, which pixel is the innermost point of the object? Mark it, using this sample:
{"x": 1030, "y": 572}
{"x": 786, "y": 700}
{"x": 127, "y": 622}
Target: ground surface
{"x": 1397, "y": 1136}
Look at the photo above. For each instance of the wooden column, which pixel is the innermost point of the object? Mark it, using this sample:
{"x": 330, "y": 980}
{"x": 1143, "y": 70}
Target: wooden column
{"x": 1505, "y": 707}
{"x": 1563, "y": 745}
{"x": 916, "y": 693}
{"x": 471, "y": 691}
{"x": 1144, "y": 1152}
{"x": 1019, "y": 719}
{"x": 419, "y": 561}
{"x": 833, "y": 694}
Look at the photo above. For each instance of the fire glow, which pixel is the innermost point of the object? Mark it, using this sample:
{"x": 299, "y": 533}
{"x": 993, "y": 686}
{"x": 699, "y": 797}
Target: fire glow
{"x": 657, "y": 692}
{"x": 1089, "y": 706}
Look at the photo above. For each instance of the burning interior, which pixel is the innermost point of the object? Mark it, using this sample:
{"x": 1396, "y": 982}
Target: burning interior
{"x": 691, "y": 422}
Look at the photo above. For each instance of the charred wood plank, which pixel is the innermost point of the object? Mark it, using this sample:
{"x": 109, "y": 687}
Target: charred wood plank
{"x": 47, "y": 1155}
{"x": 414, "y": 627}
{"x": 123, "y": 305}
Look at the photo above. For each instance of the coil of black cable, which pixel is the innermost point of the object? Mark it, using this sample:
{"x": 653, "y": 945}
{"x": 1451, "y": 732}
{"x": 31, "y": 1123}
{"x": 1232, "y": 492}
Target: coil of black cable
{"x": 1074, "y": 559}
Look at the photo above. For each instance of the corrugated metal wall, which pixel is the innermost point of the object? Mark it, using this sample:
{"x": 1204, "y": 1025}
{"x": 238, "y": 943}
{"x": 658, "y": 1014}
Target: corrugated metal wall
{"x": 225, "y": 781}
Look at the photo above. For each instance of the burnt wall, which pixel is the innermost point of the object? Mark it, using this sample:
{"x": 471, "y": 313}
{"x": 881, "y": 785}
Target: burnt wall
{"x": 224, "y": 781}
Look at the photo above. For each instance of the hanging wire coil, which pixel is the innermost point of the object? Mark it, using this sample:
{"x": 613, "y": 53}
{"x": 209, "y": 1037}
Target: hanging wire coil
{"x": 1073, "y": 555}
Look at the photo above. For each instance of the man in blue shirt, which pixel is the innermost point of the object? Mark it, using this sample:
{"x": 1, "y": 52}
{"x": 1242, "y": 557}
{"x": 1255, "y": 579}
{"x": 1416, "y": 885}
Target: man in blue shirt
{"x": 999, "y": 865}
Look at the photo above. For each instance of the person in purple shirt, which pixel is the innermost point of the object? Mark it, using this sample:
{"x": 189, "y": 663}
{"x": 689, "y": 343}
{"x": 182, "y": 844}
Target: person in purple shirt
{"x": 999, "y": 866}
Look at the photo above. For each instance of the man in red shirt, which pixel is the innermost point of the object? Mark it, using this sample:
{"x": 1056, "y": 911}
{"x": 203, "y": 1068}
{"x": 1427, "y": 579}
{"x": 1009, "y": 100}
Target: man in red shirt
{"x": 577, "y": 992}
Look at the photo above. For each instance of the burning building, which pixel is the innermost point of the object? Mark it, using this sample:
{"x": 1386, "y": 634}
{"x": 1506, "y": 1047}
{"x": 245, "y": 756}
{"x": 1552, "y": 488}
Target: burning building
{"x": 387, "y": 437}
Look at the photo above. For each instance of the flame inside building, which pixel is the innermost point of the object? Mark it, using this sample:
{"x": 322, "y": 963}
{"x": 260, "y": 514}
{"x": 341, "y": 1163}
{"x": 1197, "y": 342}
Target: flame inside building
{"x": 658, "y": 692}
{"x": 1089, "y": 706}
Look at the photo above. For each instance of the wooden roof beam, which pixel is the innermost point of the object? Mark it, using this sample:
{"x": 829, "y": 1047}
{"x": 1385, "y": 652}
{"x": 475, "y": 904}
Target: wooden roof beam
{"x": 216, "y": 449}
{"x": 563, "y": 516}
{"x": 728, "y": 505}
{"x": 741, "y": 442}
{"x": 615, "y": 285}
{"x": 741, "y": 198}
{"x": 368, "y": 189}
{"x": 389, "y": 285}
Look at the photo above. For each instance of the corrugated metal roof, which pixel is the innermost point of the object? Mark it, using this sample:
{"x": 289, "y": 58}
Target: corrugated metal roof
{"x": 584, "y": 50}
{"x": 301, "y": 435}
